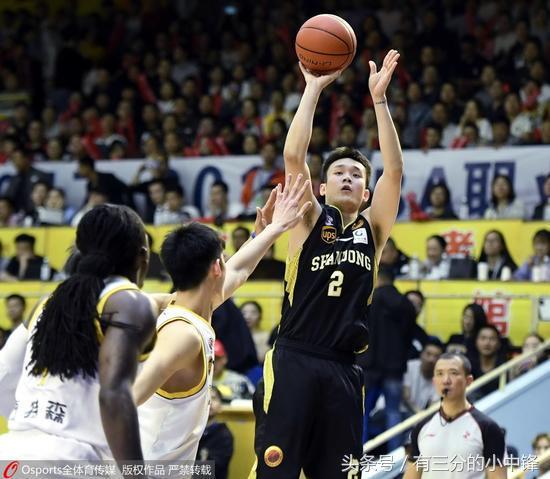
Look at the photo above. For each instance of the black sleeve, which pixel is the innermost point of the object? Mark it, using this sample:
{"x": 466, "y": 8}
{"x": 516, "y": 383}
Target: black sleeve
{"x": 492, "y": 435}
{"x": 414, "y": 449}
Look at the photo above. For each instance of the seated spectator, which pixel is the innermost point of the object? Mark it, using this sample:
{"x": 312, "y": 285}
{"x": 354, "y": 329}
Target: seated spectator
{"x": 20, "y": 185}
{"x": 541, "y": 445}
{"x": 219, "y": 209}
{"x": 521, "y": 125}
{"x": 432, "y": 138}
{"x": 440, "y": 117}
{"x": 39, "y": 193}
{"x": 26, "y": 264}
{"x": 231, "y": 384}
{"x": 216, "y": 443}
{"x": 269, "y": 268}
{"x": 7, "y": 213}
{"x": 440, "y": 207}
{"x": 252, "y": 313}
{"x": 488, "y": 355}
{"x": 257, "y": 177}
{"x": 108, "y": 136}
{"x": 418, "y": 389}
{"x": 419, "y": 336}
{"x": 55, "y": 212}
{"x": 504, "y": 204}
{"x": 116, "y": 191}
{"x": 530, "y": 343}
{"x": 54, "y": 150}
{"x": 156, "y": 267}
{"x": 239, "y": 236}
{"x": 437, "y": 264}
{"x": 251, "y": 145}
{"x": 315, "y": 165}
{"x": 495, "y": 253}
{"x": 393, "y": 257}
{"x": 174, "y": 210}
{"x": 542, "y": 210}
{"x": 96, "y": 197}
{"x": 468, "y": 137}
{"x": 537, "y": 267}
{"x": 501, "y": 133}
{"x": 473, "y": 114}
{"x": 15, "y": 310}
{"x": 473, "y": 319}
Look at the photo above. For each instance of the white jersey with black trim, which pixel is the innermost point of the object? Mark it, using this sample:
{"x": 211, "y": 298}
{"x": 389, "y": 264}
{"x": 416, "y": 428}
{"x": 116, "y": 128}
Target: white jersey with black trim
{"x": 69, "y": 408}
{"x": 171, "y": 424}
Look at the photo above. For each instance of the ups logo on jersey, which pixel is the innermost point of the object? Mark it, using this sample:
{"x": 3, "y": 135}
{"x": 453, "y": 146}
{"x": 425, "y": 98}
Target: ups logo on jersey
{"x": 328, "y": 234}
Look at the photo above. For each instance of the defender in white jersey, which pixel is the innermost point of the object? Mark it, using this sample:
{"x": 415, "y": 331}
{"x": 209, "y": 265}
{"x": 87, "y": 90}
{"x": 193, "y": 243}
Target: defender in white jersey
{"x": 83, "y": 350}
{"x": 173, "y": 388}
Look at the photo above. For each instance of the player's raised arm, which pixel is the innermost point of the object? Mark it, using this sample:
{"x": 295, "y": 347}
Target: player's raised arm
{"x": 299, "y": 135}
{"x": 289, "y": 211}
{"x": 385, "y": 201}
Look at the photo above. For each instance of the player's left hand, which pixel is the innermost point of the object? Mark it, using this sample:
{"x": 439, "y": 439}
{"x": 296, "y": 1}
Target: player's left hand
{"x": 287, "y": 212}
{"x": 379, "y": 80}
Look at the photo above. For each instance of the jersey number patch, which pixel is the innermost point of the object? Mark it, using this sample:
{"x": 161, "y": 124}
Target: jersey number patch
{"x": 335, "y": 286}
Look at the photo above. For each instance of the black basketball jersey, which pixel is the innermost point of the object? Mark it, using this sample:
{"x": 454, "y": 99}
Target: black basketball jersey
{"x": 329, "y": 283}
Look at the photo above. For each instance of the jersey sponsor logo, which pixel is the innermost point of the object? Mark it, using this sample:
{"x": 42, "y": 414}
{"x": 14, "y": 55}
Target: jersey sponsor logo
{"x": 273, "y": 456}
{"x": 346, "y": 256}
{"x": 360, "y": 222}
{"x": 328, "y": 234}
{"x": 360, "y": 236}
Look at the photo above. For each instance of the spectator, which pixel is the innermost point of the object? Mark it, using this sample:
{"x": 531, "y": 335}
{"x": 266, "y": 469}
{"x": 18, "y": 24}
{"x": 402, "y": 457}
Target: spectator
{"x": 174, "y": 210}
{"x": 15, "y": 310}
{"x": 469, "y": 137}
{"x": 440, "y": 203}
{"x": 54, "y": 150}
{"x": 504, "y": 204}
{"x": 440, "y": 118}
{"x": 488, "y": 355}
{"x": 55, "y": 212}
{"x": 96, "y": 197}
{"x": 7, "y": 214}
{"x": 231, "y": 384}
{"x": 38, "y": 198}
{"x": 21, "y": 184}
{"x": 437, "y": 264}
{"x": 394, "y": 258}
{"x": 385, "y": 361}
{"x": 156, "y": 268}
{"x": 216, "y": 443}
{"x": 433, "y": 138}
{"x": 521, "y": 126}
{"x": 115, "y": 190}
{"x": 419, "y": 336}
{"x": 257, "y": 177}
{"x": 219, "y": 209}
{"x": 473, "y": 319}
{"x": 530, "y": 344}
{"x": 501, "y": 133}
{"x": 26, "y": 264}
{"x": 418, "y": 389}
{"x": 239, "y": 236}
{"x": 542, "y": 210}
{"x": 473, "y": 114}
{"x": 252, "y": 312}
{"x": 537, "y": 267}
{"x": 495, "y": 253}
{"x": 541, "y": 445}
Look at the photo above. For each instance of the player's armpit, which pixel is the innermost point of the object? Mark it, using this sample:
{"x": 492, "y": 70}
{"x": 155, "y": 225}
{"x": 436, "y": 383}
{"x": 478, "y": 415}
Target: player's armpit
{"x": 178, "y": 345}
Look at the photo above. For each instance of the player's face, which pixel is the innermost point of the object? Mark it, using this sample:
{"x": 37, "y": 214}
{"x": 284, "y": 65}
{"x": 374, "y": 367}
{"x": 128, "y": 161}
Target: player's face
{"x": 345, "y": 186}
{"x": 449, "y": 375}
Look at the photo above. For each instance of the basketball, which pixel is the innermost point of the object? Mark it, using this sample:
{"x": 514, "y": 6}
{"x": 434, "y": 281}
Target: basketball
{"x": 325, "y": 43}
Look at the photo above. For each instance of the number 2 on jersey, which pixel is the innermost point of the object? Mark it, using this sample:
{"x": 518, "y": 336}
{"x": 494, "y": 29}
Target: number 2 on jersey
{"x": 335, "y": 286}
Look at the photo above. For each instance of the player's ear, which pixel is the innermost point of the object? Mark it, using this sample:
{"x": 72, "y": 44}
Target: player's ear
{"x": 322, "y": 189}
{"x": 469, "y": 379}
{"x": 366, "y": 195}
{"x": 217, "y": 268}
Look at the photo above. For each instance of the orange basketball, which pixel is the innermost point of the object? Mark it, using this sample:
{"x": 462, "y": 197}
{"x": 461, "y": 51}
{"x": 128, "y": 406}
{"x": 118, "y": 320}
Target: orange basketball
{"x": 325, "y": 43}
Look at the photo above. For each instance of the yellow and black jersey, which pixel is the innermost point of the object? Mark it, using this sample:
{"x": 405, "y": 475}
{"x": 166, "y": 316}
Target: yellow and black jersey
{"x": 329, "y": 284}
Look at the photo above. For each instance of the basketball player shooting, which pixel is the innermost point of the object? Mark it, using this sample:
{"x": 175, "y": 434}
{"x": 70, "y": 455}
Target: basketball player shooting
{"x": 309, "y": 405}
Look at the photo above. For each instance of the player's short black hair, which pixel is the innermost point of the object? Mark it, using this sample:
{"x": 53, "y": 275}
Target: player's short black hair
{"x": 466, "y": 364}
{"x": 352, "y": 154}
{"x": 188, "y": 252}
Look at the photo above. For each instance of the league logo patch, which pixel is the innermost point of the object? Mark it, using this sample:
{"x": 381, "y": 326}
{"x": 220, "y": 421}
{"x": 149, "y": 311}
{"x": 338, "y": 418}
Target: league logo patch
{"x": 273, "y": 456}
{"x": 328, "y": 234}
{"x": 329, "y": 221}
{"x": 360, "y": 236}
